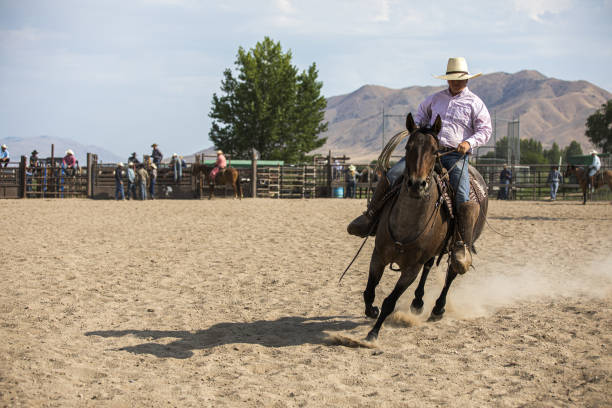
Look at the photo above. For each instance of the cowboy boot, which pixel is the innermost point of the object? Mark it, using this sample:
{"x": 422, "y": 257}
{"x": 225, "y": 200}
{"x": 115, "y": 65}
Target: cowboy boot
{"x": 467, "y": 215}
{"x": 366, "y": 222}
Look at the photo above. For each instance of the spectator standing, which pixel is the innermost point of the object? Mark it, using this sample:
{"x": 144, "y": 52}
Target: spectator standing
{"x": 554, "y": 178}
{"x": 505, "y": 177}
{"x": 351, "y": 181}
{"x": 152, "y": 180}
{"x": 141, "y": 178}
{"x": 156, "y": 155}
{"x": 5, "y": 156}
{"x": 119, "y": 182}
{"x": 131, "y": 175}
{"x": 177, "y": 168}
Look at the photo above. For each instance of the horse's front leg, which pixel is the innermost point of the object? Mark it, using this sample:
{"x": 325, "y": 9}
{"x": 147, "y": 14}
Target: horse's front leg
{"x": 377, "y": 268}
{"x": 438, "y": 310}
{"x": 417, "y": 303}
{"x": 407, "y": 277}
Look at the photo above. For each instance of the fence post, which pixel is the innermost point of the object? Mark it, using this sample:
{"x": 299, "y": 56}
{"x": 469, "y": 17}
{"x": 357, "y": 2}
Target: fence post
{"x": 253, "y": 174}
{"x": 89, "y": 176}
{"x": 22, "y": 177}
{"x": 329, "y": 175}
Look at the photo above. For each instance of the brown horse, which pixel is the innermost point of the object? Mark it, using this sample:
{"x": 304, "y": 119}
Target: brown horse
{"x": 601, "y": 178}
{"x": 413, "y": 229}
{"x": 228, "y": 176}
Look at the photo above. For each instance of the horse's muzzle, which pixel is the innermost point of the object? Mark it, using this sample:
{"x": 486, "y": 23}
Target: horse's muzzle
{"x": 417, "y": 187}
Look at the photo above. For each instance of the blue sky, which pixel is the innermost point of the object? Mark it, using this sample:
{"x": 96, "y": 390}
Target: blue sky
{"x": 122, "y": 74}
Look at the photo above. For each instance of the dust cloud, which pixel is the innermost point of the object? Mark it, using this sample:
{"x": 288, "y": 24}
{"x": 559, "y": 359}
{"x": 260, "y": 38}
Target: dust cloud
{"x": 483, "y": 291}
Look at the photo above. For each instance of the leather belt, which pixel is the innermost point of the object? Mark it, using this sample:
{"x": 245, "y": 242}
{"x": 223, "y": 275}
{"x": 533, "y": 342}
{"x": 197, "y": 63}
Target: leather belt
{"x": 445, "y": 149}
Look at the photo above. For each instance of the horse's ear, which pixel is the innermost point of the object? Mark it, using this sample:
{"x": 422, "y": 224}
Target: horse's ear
{"x": 437, "y": 126}
{"x": 410, "y": 125}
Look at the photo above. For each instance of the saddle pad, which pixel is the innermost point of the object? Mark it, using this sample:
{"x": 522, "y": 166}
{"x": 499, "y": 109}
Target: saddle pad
{"x": 478, "y": 191}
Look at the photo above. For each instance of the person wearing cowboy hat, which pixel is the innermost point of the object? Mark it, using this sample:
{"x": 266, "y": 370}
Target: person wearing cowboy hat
{"x": 5, "y": 157}
{"x": 69, "y": 161}
{"x": 133, "y": 159}
{"x": 119, "y": 182}
{"x": 593, "y": 169}
{"x": 152, "y": 180}
{"x": 351, "y": 181}
{"x": 220, "y": 164}
{"x": 466, "y": 124}
{"x": 177, "y": 169}
{"x": 34, "y": 161}
{"x": 131, "y": 176}
{"x": 156, "y": 154}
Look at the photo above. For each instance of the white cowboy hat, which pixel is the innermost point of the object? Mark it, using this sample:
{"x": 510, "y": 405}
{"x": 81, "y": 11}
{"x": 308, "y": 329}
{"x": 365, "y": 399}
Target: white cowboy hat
{"x": 120, "y": 164}
{"x": 174, "y": 155}
{"x": 69, "y": 151}
{"x": 594, "y": 152}
{"x": 153, "y": 165}
{"x": 352, "y": 168}
{"x": 219, "y": 152}
{"x": 457, "y": 70}
{"x": 3, "y": 146}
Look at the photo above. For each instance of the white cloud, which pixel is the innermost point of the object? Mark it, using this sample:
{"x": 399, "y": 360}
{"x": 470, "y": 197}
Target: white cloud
{"x": 535, "y": 9}
{"x": 285, "y": 6}
{"x": 383, "y": 16}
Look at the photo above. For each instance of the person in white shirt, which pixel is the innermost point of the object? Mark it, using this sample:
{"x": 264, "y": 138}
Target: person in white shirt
{"x": 593, "y": 169}
{"x": 466, "y": 124}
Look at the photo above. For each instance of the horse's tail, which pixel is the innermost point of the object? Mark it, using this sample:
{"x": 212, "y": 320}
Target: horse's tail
{"x": 239, "y": 185}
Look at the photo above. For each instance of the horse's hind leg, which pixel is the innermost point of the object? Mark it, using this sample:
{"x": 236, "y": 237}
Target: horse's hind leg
{"x": 417, "y": 303}
{"x": 377, "y": 268}
{"x": 405, "y": 280}
{"x": 438, "y": 310}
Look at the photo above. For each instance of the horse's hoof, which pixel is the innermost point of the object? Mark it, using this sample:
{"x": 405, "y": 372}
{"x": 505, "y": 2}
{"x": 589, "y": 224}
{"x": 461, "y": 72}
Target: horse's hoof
{"x": 415, "y": 309}
{"x": 372, "y": 336}
{"x": 434, "y": 317}
{"x": 372, "y": 312}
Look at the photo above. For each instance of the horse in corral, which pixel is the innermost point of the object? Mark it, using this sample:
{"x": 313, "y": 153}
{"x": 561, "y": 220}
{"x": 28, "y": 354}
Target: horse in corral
{"x": 601, "y": 178}
{"x": 413, "y": 227}
{"x": 228, "y": 176}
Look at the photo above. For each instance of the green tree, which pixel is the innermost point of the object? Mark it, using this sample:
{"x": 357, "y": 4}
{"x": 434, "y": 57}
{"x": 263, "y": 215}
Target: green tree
{"x": 268, "y": 106}
{"x": 532, "y": 152}
{"x": 554, "y": 154}
{"x": 573, "y": 149}
{"x": 599, "y": 127}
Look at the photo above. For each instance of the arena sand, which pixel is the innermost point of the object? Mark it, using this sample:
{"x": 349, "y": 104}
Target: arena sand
{"x": 236, "y": 303}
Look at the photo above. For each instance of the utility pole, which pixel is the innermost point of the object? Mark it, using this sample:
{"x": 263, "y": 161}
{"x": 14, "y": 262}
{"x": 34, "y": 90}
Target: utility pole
{"x": 384, "y": 116}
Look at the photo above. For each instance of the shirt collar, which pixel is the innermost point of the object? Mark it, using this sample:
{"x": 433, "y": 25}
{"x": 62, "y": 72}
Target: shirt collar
{"x": 464, "y": 92}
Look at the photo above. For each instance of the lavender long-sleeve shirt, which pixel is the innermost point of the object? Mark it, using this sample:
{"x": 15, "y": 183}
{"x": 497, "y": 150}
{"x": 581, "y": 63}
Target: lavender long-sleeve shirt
{"x": 465, "y": 118}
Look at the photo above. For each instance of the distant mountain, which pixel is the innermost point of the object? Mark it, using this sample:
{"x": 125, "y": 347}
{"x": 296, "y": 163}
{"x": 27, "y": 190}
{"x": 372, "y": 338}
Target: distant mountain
{"x": 18, "y": 146}
{"x": 550, "y": 110}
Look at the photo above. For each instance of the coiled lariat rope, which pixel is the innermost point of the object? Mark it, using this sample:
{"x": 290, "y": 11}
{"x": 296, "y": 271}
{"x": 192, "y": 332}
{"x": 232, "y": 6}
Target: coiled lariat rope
{"x": 382, "y": 163}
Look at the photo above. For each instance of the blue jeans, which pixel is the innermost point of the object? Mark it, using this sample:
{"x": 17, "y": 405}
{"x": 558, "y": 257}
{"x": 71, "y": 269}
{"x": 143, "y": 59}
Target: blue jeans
{"x": 143, "y": 190}
{"x": 119, "y": 190}
{"x": 350, "y": 189}
{"x": 152, "y": 188}
{"x": 459, "y": 175}
{"x": 554, "y": 186}
{"x": 131, "y": 190}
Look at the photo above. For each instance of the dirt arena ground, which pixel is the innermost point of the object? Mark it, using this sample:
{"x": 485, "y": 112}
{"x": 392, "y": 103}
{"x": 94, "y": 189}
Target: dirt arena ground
{"x": 226, "y": 303}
